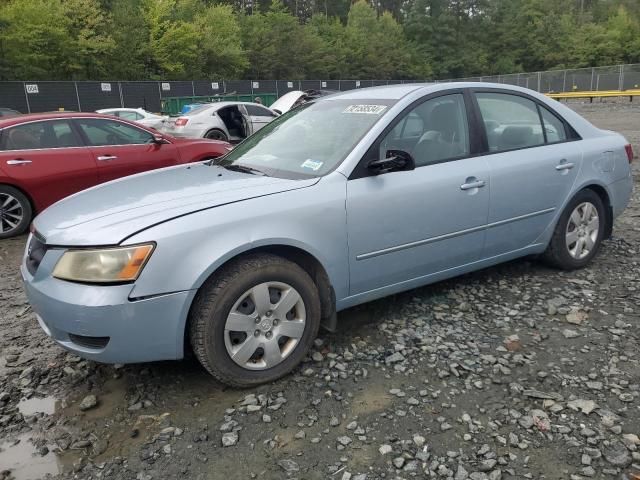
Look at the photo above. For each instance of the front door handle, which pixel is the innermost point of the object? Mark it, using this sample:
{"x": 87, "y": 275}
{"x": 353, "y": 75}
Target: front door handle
{"x": 472, "y": 185}
{"x": 18, "y": 161}
{"x": 106, "y": 158}
{"x": 564, "y": 165}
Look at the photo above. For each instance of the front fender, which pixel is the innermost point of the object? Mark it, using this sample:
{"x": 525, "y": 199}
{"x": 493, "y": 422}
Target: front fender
{"x": 191, "y": 248}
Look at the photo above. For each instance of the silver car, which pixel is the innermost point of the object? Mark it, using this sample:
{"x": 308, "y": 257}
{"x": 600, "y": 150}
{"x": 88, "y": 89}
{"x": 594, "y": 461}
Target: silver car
{"x": 340, "y": 201}
{"x": 138, "y": 115}
{"x": 228, "y": 121}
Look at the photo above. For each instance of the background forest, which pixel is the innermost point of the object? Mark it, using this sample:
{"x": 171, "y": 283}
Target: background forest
{"x": 318, "y": 39}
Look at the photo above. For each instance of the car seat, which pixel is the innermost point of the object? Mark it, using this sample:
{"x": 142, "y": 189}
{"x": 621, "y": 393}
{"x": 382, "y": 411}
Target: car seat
{"x": 20, "y": 140}
{"x": 442, "y": 140}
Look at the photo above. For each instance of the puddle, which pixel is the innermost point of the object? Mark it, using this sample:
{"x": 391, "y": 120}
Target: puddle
{"x": 33, "y": 405}
{"x": 24, "y": 462}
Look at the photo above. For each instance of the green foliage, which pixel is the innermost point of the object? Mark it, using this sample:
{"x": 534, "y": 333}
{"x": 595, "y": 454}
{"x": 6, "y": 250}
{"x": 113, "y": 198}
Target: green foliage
{"x": 321, "y": 39}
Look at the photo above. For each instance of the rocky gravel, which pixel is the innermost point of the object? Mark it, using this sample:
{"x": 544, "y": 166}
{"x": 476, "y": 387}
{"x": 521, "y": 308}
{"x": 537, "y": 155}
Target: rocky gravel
{"x": 517, "y": 371}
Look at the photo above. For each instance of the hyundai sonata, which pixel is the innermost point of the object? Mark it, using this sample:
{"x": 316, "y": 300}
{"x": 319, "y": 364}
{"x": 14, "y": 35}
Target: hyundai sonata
{"x": 343, "y": 200}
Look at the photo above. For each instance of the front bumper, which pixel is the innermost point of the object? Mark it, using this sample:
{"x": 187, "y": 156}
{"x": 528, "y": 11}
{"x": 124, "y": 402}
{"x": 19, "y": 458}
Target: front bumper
{"x": 75, "y": 315}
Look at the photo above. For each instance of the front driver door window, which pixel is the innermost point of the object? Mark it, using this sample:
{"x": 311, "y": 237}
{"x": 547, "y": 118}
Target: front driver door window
{"x": 121, "y": 149}
{"x": 406, "y": 226}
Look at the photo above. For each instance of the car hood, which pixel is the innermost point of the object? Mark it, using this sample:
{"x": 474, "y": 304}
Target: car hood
{"x": 286, "y": 101}
{"x": 111, "y": 212}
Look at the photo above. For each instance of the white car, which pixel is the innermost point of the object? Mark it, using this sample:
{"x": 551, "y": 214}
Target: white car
{"x": 138, "y": 115}
{"x": 294, "y": 98}
{"x": 227, "y": 121}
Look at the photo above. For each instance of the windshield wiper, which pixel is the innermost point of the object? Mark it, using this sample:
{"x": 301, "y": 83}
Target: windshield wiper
{"x": 244, "y": 169}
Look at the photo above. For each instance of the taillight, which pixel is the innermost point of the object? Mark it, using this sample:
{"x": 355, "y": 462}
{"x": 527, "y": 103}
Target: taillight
{"x": 629, "y": 150}
{"x": 181, "y": 122}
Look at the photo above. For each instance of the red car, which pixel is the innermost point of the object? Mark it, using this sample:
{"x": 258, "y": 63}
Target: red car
{"x": 46, "y": 157}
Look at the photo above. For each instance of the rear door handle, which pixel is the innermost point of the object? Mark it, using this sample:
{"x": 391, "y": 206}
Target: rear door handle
{"x": 18, "y": 161}
{"x": 106, "y": 158}
{"x": 564, "y": 165}
{"x": 472, "y": 185}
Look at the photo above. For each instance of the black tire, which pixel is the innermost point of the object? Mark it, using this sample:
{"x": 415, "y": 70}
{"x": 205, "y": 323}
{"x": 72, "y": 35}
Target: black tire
{"x": 215, "y": 300}
{"x": 216, "y": 134}
{"x": 25, "y": 211}
{"x": 557, "y": 252}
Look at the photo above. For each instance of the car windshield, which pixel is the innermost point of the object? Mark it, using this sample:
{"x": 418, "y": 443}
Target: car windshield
{"x": 309, "y": 141}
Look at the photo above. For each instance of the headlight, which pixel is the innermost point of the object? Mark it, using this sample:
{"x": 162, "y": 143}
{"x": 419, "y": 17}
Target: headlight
{"x": 108, "y": 265}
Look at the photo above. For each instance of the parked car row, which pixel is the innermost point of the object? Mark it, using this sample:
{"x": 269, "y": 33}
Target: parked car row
{"x": 343, "y": 200}
{"x": 46, "y": 157}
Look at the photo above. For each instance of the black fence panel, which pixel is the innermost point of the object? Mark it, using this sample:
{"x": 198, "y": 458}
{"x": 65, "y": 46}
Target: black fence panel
{"x": 52, "y": 96}
{"x": 264, "y": 86}
{"x": 331, "y": 85}
{"x": 393, "y": 82}
{"x": 284, "y": 86}
{"x": 348, "y": 84}
{"x": 176, "y": 89}
{"x": 141, "y": 95}
{"x": 96, "y": 95}
{"x": 579, "y": 81}
{"x": 12, "y": 96}
{"x": 378, "y": 83}
{"x": 631, "y": 80}
{"x": 310, "y": 84}
{"x": 207, "y": 87}
{"x": 240, "y": 87}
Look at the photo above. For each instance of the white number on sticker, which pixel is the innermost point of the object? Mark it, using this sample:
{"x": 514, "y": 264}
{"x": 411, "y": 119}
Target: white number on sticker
{"x": 367, "y": 109}
{"x": 32, "y": 88}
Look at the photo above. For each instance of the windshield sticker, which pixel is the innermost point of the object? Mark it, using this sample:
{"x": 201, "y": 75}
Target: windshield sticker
{"x": 312, "y": 164}
{"x": 368, "y": 109}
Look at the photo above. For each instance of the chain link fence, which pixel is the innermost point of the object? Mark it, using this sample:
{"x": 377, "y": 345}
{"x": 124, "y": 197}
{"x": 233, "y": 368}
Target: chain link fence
{"x": 29, "y": 97}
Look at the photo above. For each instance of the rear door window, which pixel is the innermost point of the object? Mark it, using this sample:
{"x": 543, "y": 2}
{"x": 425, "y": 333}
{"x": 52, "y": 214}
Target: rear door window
{"x": 38, "y": 135}
{"x": 554, "y": 127}
{"x": 511, "y": 121}
{"x": 100, "y": 132}
{"x": 258, "y": 111}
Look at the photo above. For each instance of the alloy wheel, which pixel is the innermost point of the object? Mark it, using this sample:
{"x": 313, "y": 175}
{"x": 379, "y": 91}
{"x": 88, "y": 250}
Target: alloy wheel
{"x": 583, "y": 229}
{"x": 265, "y": 325}
{"x": 11, "y": 213}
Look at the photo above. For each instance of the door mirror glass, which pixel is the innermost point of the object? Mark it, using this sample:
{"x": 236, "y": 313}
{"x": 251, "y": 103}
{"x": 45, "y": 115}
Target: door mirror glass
{"x": 394, "y": 161}
{"x": 159, "y": 139}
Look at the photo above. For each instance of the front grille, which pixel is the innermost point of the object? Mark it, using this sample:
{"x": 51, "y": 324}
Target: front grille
{"x": 35, "y": 253}
{"x": 89, "y": 342}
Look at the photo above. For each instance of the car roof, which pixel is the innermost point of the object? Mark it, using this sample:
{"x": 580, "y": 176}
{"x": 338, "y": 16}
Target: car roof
{"x": 33, "y": 117}
{"x": 398, "y": 91}
{"x": 126, "y": 109}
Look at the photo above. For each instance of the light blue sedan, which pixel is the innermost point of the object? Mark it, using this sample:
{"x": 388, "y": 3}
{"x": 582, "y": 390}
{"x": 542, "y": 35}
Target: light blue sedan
{"x": 343, "y": 200}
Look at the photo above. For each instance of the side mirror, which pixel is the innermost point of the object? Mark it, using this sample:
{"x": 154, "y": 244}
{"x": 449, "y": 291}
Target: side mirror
{"x": 158, "y": 139}
{"x": 396, "y": 160}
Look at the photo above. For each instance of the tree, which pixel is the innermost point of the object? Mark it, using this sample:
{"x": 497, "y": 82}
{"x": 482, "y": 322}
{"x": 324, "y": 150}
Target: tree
{"x": 36, "y": 46}
{"x": 89, "y": 29}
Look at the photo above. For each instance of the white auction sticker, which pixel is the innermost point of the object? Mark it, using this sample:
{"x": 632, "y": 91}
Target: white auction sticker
{"x": 312, "y": 164}
{"x": 368, "y": 109}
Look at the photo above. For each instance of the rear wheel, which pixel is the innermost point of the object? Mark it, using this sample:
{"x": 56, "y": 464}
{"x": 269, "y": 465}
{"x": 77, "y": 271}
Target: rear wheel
{"x": 15, "y": 212}
{"x": 216, "y": 134}
{"x": 579, "y": 232}
{"x": 254, "y": 321}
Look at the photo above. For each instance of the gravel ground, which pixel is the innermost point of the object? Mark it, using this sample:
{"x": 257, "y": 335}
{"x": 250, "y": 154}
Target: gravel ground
{"x": 517, "y": 371}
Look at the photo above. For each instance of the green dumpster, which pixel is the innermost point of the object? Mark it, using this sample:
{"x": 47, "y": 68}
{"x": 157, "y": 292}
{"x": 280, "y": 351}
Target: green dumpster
{"x": 174, "y": 105}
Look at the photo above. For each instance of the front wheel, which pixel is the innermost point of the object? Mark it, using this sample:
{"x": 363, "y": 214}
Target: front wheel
{"x": 254, "y": 321}
{"x": 579, "y": 232}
